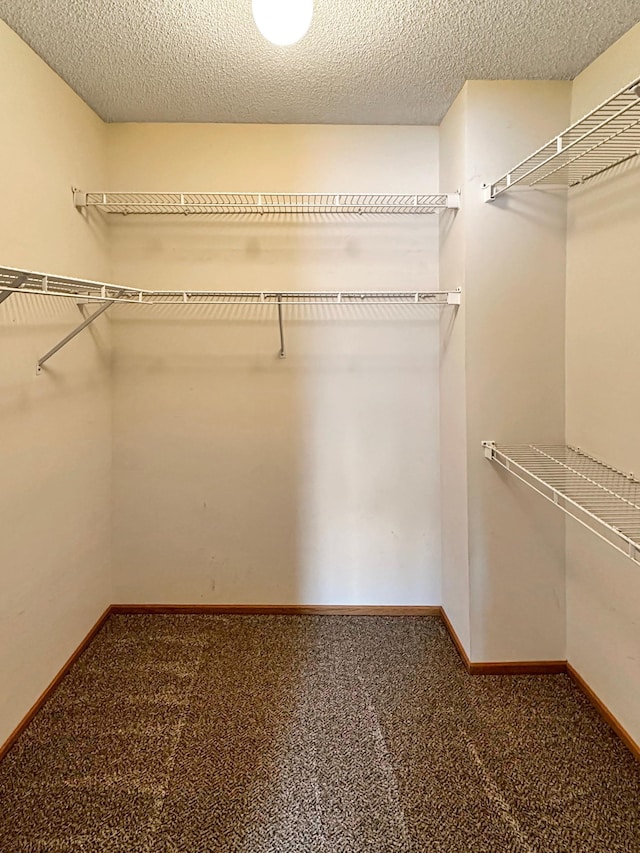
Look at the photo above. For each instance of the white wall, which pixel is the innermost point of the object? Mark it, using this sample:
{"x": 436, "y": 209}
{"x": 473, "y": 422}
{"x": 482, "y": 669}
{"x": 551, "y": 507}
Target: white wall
{"x": 515, "y": 373}
{"x": 511, "y": 390}
{"x": 243, "y": 478}
{"x": 55, "y": 453}
{"x": 603, "y": 406}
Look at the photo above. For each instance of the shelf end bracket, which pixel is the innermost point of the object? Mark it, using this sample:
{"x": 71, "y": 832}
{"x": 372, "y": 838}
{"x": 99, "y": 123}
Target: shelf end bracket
{"x": 79, "y": 199}
{"x": 489, "y": 449}
{"x": 488, "y": 192}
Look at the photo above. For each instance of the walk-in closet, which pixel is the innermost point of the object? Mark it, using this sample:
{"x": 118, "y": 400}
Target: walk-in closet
{"x": 319, "y": 374}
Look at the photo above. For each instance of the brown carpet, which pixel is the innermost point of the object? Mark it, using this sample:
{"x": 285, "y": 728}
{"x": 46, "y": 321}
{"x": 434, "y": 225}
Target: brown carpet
{"x": 265, "y": 734}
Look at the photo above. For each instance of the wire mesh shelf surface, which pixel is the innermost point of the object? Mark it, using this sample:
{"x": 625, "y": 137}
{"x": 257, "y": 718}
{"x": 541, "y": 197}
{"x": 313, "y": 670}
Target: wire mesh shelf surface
{"x": 600, "y": 497}
{"x": 263, "y": 203}
{"x": 23, "y": 281}
{"x": 604, "y": 138}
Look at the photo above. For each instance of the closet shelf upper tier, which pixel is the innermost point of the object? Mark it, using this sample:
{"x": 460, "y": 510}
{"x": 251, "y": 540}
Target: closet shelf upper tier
{"x": 260, "y": 203}
{"x": 44, "y": 284}
{"x": 604, "y": 138}
{"x": 601, "y": 498}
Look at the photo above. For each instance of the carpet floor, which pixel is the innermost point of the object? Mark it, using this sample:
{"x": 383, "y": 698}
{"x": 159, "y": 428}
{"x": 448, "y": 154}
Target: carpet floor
{"x": 266, "y": 734}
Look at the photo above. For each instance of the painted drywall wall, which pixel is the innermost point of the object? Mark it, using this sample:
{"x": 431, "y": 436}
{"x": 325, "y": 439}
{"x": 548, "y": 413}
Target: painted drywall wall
{"x": 603, "y": 409}
{"x": 515, "y": 386}
{"x": 55, "y": 451}
{"x": 511, "y": 388}
{"x": 244, "y": 478}
{"x": 453, "y": 381}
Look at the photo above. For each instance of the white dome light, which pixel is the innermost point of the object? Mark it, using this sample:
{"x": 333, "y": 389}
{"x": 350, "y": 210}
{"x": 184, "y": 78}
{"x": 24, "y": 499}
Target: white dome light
{"x": 283, "y": 22}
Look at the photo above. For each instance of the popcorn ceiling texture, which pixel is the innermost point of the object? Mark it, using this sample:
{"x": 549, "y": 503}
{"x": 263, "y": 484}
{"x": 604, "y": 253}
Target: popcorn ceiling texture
{"x": 362, "y": 62}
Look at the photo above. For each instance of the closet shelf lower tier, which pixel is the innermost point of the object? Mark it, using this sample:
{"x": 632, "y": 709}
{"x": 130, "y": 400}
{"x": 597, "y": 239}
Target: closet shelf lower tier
{"x": 598, "y": 496}
{"x": 14, "y": 280}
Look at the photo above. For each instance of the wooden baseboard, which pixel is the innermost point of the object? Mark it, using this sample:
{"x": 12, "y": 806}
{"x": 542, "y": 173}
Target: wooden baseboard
{"x": 553, "y": 667}
{"x": 536, "y": 667}
{"x": 456, "y": 640}
{"x": 280, "y": 609}
{"x": 24, "y": 722}
{"x": 528, "y": 667}
{"x": 604, "y": 712}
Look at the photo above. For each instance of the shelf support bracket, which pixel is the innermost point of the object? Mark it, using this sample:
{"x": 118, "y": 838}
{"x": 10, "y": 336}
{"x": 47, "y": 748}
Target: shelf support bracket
{"x": 489, "y": 449}
{"x": 282, "y": 353}
{"x": 79, "y": 199}
{"x": 72, "y": 335}
{"x": 487, "y": 192}
{"x": 17, "y": 284}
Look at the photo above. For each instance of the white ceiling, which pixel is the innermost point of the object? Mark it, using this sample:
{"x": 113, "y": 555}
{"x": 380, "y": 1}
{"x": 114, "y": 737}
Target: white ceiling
{"x": 362, "y": 62}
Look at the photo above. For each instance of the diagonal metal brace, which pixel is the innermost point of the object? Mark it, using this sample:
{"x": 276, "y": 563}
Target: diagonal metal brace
{"x": 17, "y": 284}
{"x": 72, "y": 335}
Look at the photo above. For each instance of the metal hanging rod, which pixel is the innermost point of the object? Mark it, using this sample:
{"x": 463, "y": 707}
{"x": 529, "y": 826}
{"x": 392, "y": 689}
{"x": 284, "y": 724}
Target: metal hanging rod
{"x": 43, "y": 284}
{"x": 601, "y": 498}
{"x": 263, "y": 203}
{"x": 606, "y": 137}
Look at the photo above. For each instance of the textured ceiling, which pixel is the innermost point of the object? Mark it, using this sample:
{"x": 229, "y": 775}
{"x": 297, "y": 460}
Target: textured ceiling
{"x": 363, "y": 61}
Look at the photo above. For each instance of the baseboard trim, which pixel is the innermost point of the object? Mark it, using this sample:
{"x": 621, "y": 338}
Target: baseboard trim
{"x": 528, "y": 667}
{"x": 455, "y": 640}
{"x": 279, "y": 609}
{"x": 531, "y": 667}
{"x": 553, "y": 667}
{"x": 40, "y": 701}
{"x": 604, "y": 712}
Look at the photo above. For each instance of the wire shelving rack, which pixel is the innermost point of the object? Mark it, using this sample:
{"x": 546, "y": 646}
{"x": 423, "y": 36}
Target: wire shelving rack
{"x": 189, "y": 203}
{"x": 44, "y": 284}
{"x": 606, "y": 137}
{"x": 598, "y": 496}
{"x": 17, "y": 281}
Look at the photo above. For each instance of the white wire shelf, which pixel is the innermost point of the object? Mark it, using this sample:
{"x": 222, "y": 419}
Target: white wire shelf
{"x": 189, "y": 203}
{"x": 44, "y": 284}
{"x": 598, "y": 496}
{"x": 604, "y": 138}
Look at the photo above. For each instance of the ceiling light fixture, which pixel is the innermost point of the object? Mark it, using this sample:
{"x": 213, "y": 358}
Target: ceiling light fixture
{"x": 282, "y": 22}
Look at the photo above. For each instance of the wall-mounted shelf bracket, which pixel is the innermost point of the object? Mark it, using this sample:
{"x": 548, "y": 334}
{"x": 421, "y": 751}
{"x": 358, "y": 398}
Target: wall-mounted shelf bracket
{"x": 454, "y": 297}
{"x": 487, "y": 192}
{"x": 79, "y": 198}
{"x": 90, "y": 319}
{"x": 596, "y": 495}
{"x": 489, "y": 448}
